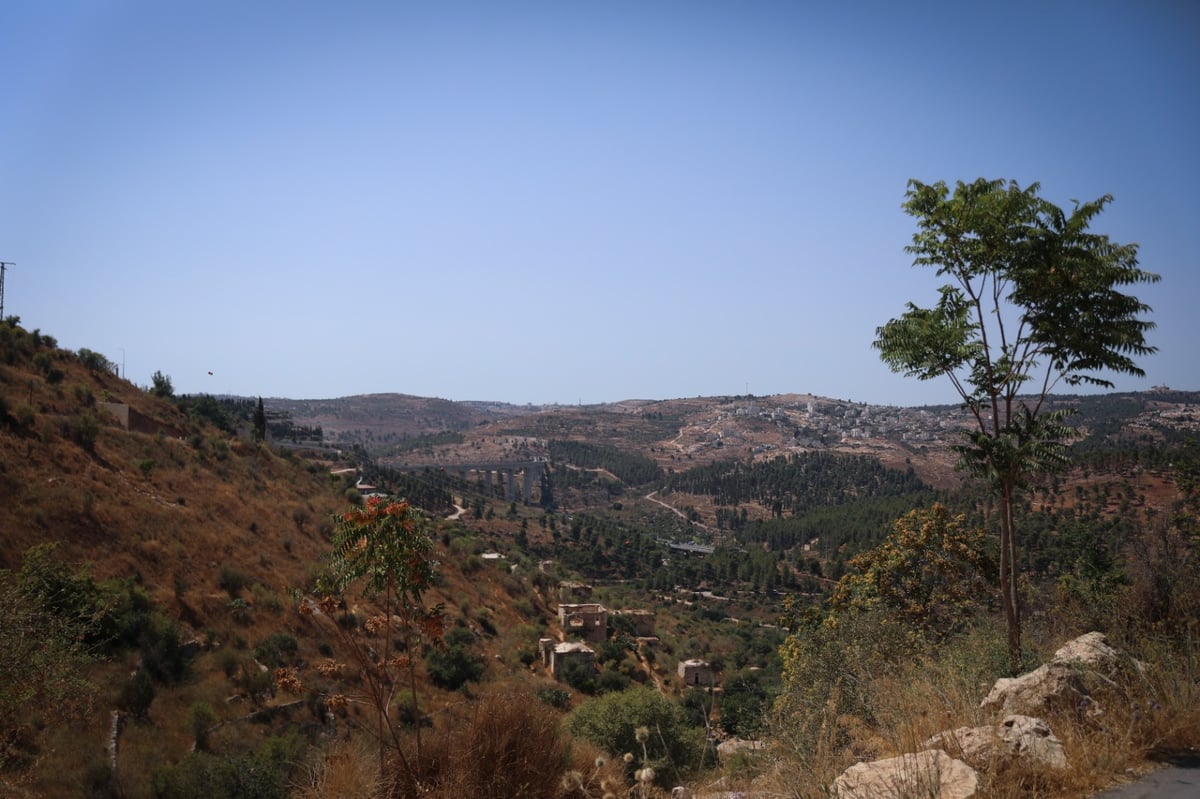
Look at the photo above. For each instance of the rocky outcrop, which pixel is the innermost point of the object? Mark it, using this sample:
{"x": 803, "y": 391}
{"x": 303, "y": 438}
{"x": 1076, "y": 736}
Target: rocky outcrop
{"x": 1060, "y": 685}
{"x": 1069, "y": 682}
{"x": 931, "y": 773}
{"x": 738, "y": 746}
{"x": 1090, "y": 649}
{"x": 1018, "y": 737}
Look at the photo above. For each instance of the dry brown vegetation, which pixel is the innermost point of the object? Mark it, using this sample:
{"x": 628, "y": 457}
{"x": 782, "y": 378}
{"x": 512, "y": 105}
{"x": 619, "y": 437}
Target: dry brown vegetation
{"x": 226, "y": 537}
{"x": 1147, "y": 716}
{"x": 223, "y": 535}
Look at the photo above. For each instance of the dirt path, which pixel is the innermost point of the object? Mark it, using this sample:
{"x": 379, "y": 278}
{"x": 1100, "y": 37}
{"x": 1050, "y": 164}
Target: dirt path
{"x": 676, "y": 511}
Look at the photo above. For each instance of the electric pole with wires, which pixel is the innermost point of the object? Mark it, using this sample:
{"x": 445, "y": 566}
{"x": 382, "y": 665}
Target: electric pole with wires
{"x": 4, "y": 265}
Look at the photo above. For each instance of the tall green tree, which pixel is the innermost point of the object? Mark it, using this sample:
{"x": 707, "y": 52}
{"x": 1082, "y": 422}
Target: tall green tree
{"x": 260, "y": 422}
{"x": 161, "y": 385}
{"x": 1033, "y": 302}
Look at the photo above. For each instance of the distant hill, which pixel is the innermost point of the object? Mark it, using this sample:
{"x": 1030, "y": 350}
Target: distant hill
{"x": 389, "y": 417}
{"x": 678, "y": 433}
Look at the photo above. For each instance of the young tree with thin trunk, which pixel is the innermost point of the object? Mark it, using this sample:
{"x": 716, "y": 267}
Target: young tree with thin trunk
{"x": 1033, "y": 302}
{"x": 385, "y": 548}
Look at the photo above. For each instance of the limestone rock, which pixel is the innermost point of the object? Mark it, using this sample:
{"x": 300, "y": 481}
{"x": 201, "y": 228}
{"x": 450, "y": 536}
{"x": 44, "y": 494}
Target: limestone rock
{"x": 1090, "y": 648}
{"x": 1017, "y": 737}
{"x": 1050, "y": 686}
{"x": 735, "y": 745}
{"x": 1059, "y": 684}
{"x": 931, "y": 773}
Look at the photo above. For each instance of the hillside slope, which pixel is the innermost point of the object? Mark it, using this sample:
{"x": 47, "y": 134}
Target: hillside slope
{"x": 224, "y": 538}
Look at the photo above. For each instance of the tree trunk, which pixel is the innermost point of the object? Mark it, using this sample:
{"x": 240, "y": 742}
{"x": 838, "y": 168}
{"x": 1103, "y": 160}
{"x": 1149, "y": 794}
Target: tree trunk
{"x": 1008, "y": 579}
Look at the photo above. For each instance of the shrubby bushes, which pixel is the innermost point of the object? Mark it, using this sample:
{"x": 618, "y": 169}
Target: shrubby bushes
{"x": 672, "y": 747}
{"x": 452, "y": 665}
{"x": 265, "y": 774}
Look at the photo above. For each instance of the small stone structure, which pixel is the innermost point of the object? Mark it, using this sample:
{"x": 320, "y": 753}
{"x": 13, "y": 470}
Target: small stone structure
{"x": 130, "y": 419}
{"x": 572, "y": 590}
{"x": 697, "y": 672}
{"x": 556, "y": 655}
{"x": 588, "y": 621}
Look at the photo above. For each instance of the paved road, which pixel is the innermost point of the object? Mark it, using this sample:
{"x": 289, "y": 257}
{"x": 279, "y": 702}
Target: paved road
{"x": 1181, "y": 780}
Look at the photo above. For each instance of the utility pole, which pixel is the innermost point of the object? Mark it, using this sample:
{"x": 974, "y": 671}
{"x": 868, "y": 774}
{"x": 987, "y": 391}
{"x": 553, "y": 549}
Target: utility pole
{"x": 4, "y": 265}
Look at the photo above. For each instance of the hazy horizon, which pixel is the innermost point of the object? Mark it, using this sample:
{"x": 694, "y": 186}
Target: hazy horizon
{"x": 562, "y": 203}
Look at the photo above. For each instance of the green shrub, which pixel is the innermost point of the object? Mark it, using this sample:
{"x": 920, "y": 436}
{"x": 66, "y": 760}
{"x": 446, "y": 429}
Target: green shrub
{"x": 744, "y": 704}
{"x": 137, "y": 694}
{"x": 485, "y": 622}
{"x": 239, "y": 610}
{"x": 228, "y": 660}
{"x": 201, "y": 719}
{"x": 85, "y": 429}
{"x": 580, "y": 676}
{"x": 611, "y": 722}
{"x": 278, "y": 650}
{"x": 612, "y": 680}
{"x": 200, "y": 775}
{"x": 83, "y": 394}
{"x": 255, "y": 682}
{"x": 162, "y": 654}
{"x": 451, "y": 666}
{"x": 94, "y": 361}
{"x": 557, "y": 698}
{"x": 232, "y": 581}
{"x": 42, "y": 362}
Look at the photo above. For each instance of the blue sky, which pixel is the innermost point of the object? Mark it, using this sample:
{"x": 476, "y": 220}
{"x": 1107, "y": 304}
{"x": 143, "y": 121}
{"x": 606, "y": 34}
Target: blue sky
{"x": 561, "y": 202}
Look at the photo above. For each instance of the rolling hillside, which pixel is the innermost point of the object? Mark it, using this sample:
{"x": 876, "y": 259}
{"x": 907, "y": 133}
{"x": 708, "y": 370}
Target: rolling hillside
{"x": 198, "y": 549}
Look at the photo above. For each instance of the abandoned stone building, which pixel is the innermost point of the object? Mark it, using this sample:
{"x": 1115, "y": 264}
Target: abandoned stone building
{"x": 557, "y": 654}
{"x": 587, "y": 621}
{"x": 697, "y": 673}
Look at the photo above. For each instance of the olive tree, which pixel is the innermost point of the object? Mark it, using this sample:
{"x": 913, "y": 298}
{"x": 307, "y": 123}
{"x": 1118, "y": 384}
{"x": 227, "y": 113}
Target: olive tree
{"x": 1032, "y": 302}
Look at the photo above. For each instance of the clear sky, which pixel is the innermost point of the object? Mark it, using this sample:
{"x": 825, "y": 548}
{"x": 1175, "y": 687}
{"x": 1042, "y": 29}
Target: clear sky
{"x": 562, "y": 201}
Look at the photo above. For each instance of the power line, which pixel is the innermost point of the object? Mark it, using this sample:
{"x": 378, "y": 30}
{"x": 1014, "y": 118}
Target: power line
{"x": 4, "y": 265}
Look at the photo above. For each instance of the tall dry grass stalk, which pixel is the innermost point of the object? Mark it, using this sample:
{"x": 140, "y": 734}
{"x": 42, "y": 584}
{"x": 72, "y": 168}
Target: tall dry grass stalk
{"x": 504, "y": 746}
{"x": 345, "y": 771}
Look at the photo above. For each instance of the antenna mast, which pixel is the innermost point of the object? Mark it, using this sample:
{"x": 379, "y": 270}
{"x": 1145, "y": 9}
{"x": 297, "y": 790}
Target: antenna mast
{"x": 4, "y": 265}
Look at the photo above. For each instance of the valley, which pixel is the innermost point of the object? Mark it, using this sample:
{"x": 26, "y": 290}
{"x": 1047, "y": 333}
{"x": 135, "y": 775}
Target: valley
{"x": 639, "y": 552}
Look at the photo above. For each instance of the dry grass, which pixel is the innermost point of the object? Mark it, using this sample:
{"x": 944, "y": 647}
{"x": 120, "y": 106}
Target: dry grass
{"x": 1147, "y": 713}
{"x": 502, "y": 746}
{"x": 343, "y": 771}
